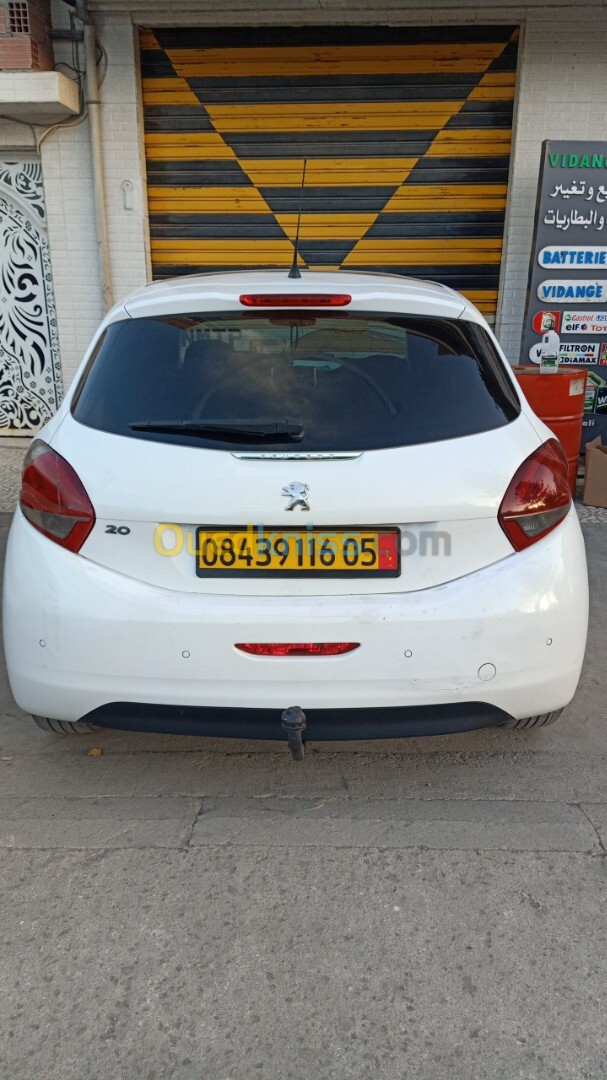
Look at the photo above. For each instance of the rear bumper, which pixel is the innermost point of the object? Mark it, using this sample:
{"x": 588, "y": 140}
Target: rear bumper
{"x": 321, "y": 724}
{"x": 79, "y": 637}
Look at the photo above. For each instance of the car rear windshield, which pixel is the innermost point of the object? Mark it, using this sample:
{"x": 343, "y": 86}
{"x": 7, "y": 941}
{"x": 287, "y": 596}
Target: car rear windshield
{"x": 311, "y": 382}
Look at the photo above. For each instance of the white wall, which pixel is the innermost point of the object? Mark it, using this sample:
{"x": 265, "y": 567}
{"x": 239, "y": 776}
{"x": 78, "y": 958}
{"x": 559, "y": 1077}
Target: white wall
{"x": 66, "y": 165}
{"x": 562, "y": 93}
{"x": 69, "y": 207}
{"x": 124, "y": 156}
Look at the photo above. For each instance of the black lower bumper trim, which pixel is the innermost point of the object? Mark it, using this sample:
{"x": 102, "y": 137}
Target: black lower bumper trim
{"x": 322, "y": 724}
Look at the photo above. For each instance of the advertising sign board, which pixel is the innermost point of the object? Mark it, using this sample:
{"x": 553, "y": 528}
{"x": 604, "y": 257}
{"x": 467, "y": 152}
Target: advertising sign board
{"x": 566, "y": 311}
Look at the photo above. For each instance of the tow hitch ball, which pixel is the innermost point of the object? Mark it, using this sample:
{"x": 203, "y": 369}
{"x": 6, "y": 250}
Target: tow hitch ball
{"x": 293, "y": 722}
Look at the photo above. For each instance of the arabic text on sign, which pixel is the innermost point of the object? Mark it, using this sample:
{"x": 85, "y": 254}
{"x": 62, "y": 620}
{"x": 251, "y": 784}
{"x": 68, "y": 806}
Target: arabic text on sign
{"x": 564, "y": 220}
{"x": 561, "y": 192}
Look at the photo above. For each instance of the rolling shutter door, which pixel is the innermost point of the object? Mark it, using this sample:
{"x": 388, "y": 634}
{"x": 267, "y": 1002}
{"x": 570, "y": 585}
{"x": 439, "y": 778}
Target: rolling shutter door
{"x": 406, "y": 132}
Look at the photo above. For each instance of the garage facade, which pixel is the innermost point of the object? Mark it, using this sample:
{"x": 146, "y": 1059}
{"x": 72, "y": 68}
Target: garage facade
{"x": 405, "y": 133}
{"x": 403, "y": 111}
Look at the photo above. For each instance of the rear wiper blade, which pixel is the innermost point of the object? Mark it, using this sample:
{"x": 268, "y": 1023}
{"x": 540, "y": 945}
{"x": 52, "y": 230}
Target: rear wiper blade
{"x": 236, "y": 430}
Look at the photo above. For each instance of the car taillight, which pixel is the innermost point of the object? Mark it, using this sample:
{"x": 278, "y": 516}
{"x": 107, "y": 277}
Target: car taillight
{"x": 53, "y": 498}
{"x": 538, "y": 496}
{"x": 293, "y": 300}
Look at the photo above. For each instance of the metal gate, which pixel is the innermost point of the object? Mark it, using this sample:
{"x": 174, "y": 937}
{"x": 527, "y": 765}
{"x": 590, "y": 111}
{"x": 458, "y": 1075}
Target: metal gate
{"x": 30, "y": 375}
{"x": 406, "y": 132}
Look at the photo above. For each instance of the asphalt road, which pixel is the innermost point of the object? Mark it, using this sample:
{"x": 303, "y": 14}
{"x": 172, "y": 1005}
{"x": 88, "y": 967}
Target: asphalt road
{"x": 431, "y": 909}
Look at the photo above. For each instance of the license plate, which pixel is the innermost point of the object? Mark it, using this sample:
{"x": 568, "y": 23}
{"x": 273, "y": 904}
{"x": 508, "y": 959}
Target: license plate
{"x": 297, "y": 552}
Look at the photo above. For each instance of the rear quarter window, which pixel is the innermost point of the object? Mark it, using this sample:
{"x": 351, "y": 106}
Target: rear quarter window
{"x": 347, "y": 382}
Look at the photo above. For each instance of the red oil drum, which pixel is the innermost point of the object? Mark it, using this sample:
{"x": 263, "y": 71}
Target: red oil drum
{"x": 558, "y": 399}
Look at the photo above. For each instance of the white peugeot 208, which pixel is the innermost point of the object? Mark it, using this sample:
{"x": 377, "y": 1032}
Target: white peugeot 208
{"x": 288, "y": 508}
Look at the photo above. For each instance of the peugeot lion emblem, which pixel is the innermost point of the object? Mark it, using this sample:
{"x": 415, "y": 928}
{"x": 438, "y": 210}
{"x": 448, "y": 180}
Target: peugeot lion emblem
{"x": 297, "y": 494}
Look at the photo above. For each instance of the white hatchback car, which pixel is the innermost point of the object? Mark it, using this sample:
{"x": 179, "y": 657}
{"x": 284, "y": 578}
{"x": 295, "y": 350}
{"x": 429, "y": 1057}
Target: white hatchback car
{"x": 285, "y": 508}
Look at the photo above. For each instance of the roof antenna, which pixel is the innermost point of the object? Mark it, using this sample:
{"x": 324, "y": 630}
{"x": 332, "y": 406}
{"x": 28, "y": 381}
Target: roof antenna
{"x": 294, "y": 272}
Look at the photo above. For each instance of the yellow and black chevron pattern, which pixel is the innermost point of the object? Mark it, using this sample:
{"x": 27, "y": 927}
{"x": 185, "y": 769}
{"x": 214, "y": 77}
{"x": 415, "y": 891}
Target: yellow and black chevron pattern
{"x": 406, "y": 132}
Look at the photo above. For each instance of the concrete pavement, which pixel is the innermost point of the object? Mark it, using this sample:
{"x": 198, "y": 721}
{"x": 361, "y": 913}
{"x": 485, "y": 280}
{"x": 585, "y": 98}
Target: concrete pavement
{"x": 211, "y": 911}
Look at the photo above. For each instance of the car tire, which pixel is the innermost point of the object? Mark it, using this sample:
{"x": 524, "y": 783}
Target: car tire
{"x": 537, "y": 721}
{"x": 63, "y": 727}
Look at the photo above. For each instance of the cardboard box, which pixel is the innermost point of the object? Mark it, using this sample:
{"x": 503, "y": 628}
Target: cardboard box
{"x": 595, "y": 482}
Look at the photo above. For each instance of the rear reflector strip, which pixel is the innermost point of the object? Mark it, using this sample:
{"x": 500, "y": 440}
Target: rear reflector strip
{"x": 282, "y": 648}
{"x": 292, "y": 300}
